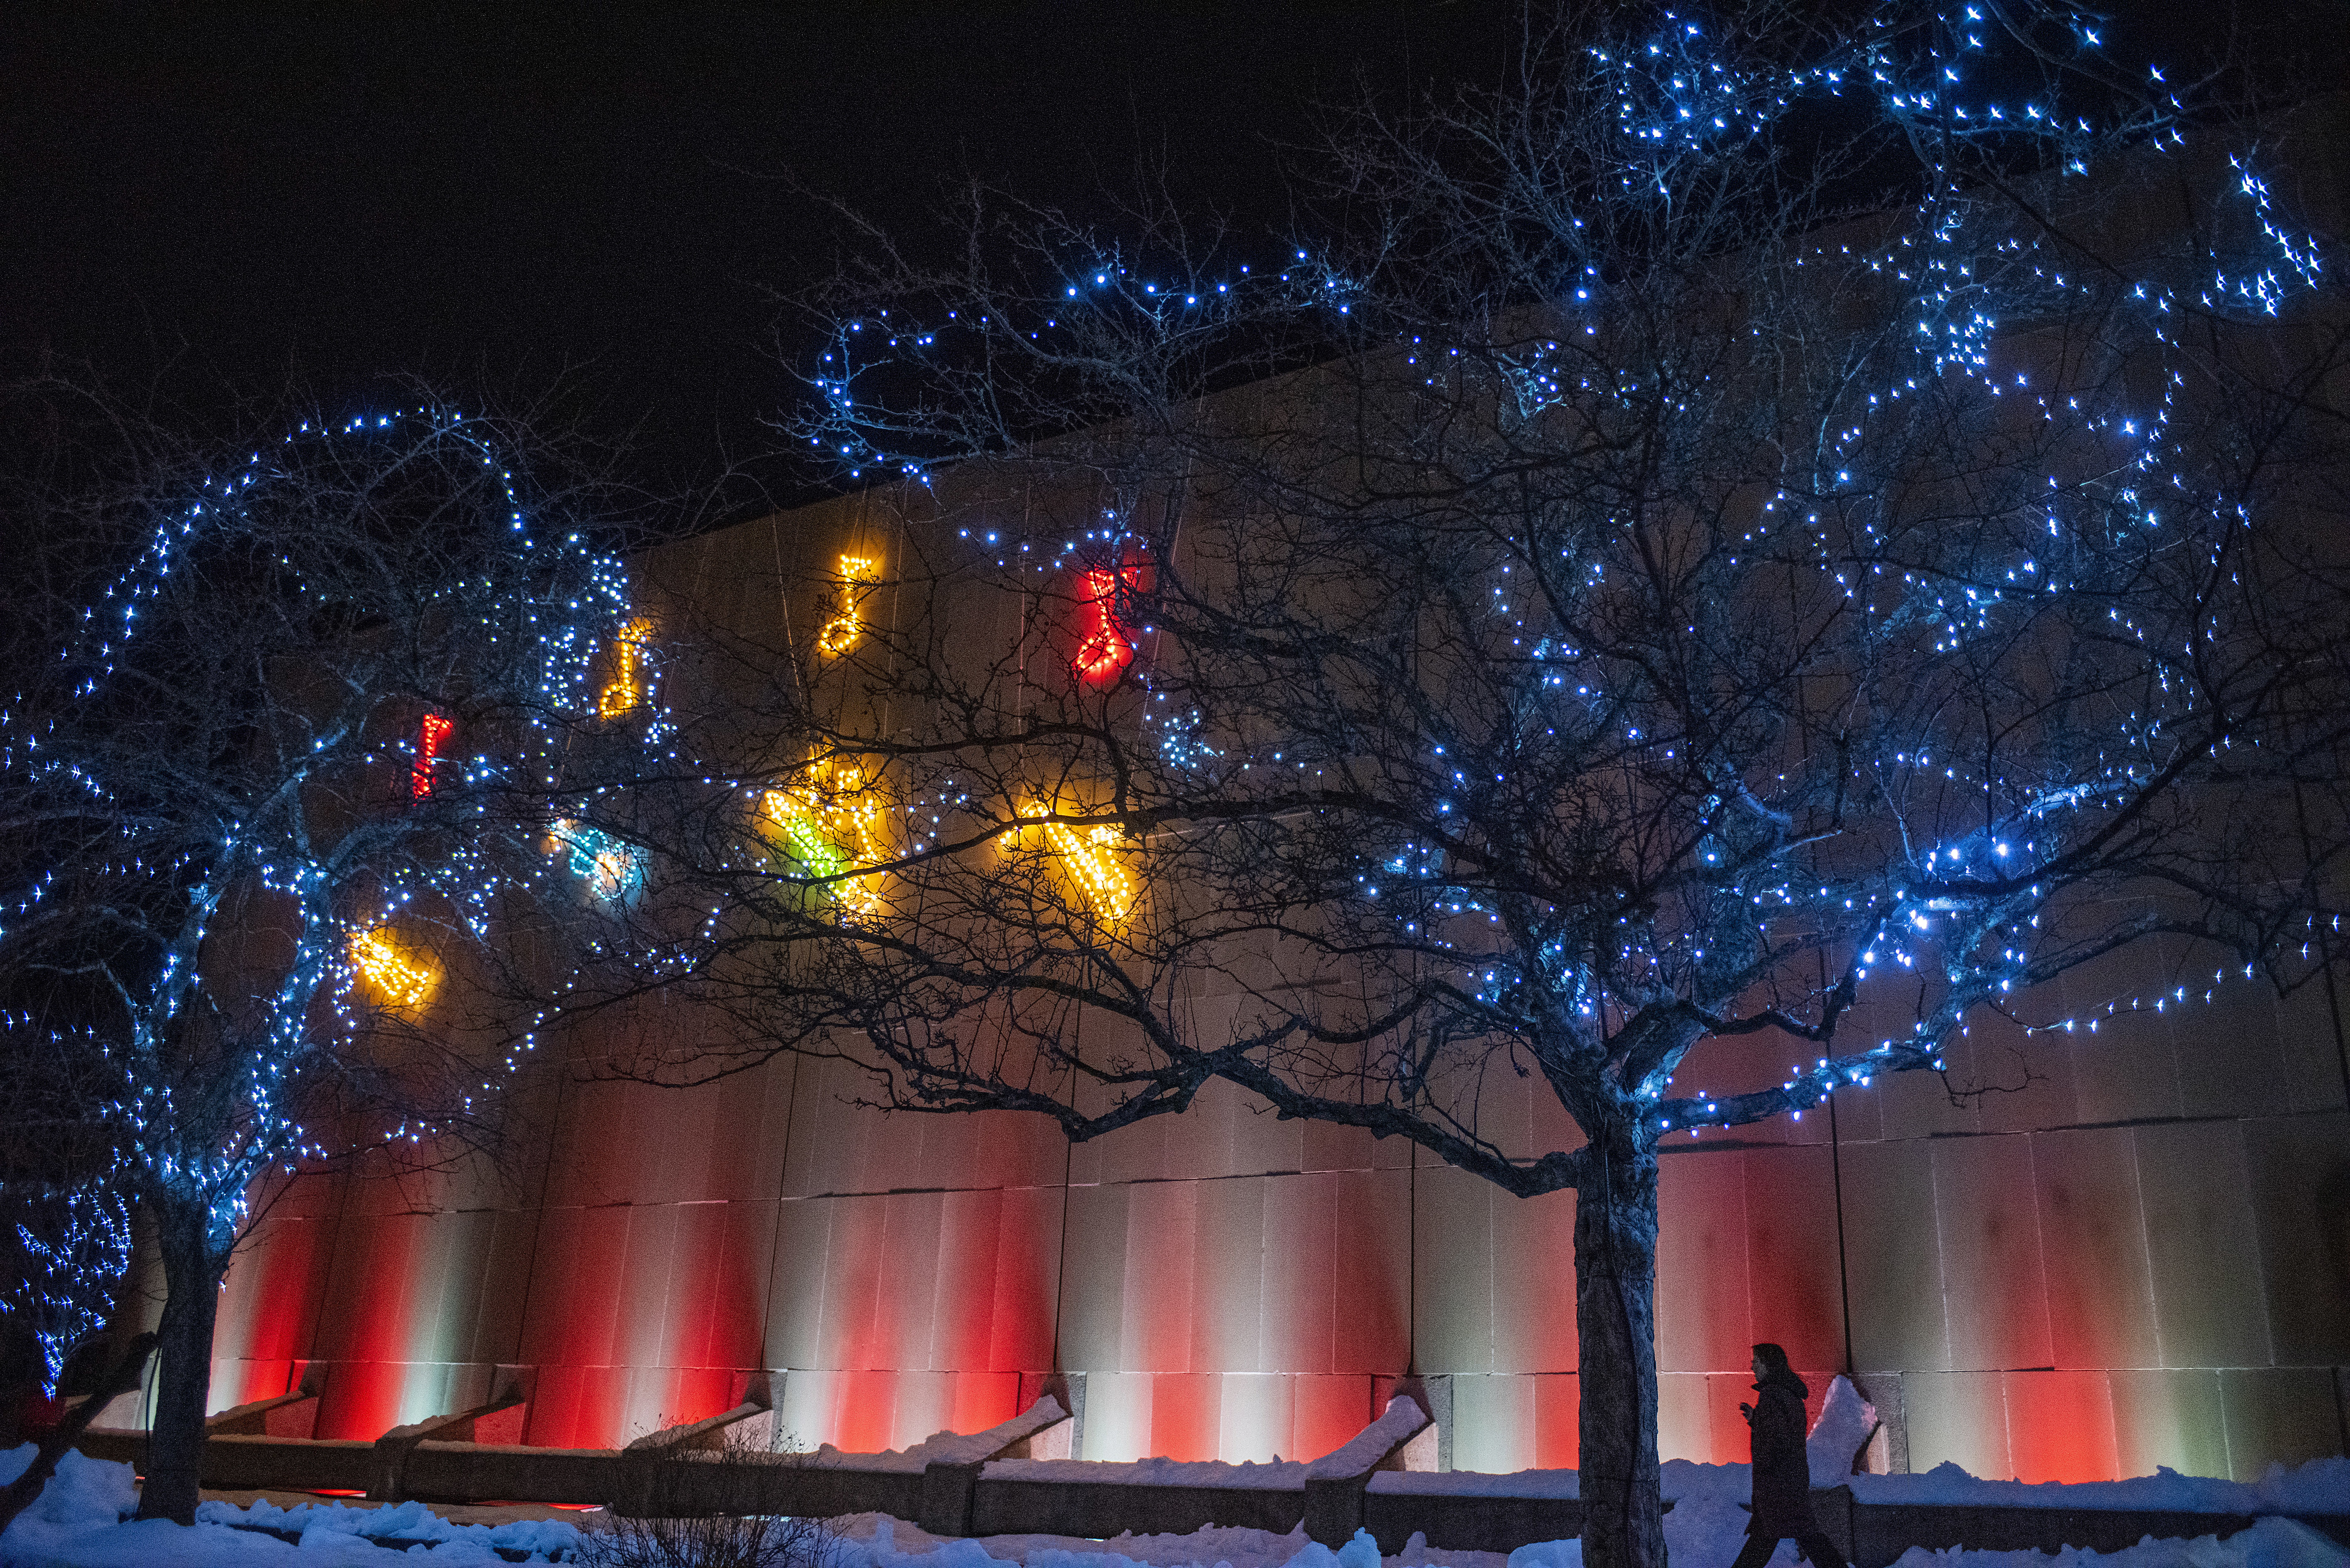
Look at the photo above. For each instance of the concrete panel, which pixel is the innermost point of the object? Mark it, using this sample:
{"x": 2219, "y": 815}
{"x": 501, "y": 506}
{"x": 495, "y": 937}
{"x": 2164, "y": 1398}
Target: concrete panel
{"x": 1702, "y": 1307}
{"x": 1893, "y": 1266}
{"x": 1093, "y": 1286}
{"x": 1327, "y": 1412}
{"x": 715, "y": 1304}
{"x": 2168, "y": 1418}
{"x": 907, "y": 1288}
{"x": 985, "y": 1399}
{"x": 1452, "y": 1298}
{"x": 2278, "y": 1415}
{"x": 855, "y": 1326}
{"x": 2124, "y": 1067}
{"x": 1684, "y": 1418}
{"x": 1794, "y": 1276}
{"x": 1231, "y": 1297}
{"x": 924, "y": 1404}
{"x": 1919, "y": 1105}
{"x": 2201, "y": 1246}
{"x": 1300, "y": 1312}
{"x": 270, "y": 1299}
{"x": 1493, "y": 1424}
{"x": 2309, "y": 1044}
{"x": 1986, "y": 1216}
{"x": 806, "y": 1408}
{"x": 962, "y": 1288}
{"x": 1370, "y": 1256}
{"x": 641, "y": 1335}
{"x": 1256, "y": 1417}
{"x": 1023, "y": 1328}
{"x": 1533, "y": 1283}
{"x": 1957, "y": 1418}
{"x": 2060, "y": 1426}
{"x": 1117, "y": 1416}
{"x": 2093, "y": 1241}
{"x": 2230, "y": 1058}
{"x": 866, "y": 1417}
{"x": 2028, "y": 1077}
{"x": 1557, "y": 1411}
{"x": 2300, "y": 1171}
{"x": 1155, "y": 1314}
{"x": 794, "y": 1314}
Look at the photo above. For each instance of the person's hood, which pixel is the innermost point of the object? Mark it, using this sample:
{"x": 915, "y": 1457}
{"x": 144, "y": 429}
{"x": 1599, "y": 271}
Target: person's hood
{"x": 1788, "y": 1381}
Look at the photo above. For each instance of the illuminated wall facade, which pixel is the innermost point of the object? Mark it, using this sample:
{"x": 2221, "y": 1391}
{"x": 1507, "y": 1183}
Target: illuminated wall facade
{"x": 2138, "y": 1256}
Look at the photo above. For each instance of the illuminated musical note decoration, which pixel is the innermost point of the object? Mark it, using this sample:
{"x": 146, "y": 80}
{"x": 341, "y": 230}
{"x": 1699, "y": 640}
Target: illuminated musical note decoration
{"x": 858, "y": 575}
{"x": 430, "y": 732}
{"x": 399, "y": 980}
{"x": 625, "y": 693}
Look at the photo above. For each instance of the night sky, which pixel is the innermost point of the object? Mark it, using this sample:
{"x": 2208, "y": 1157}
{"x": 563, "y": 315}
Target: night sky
{"x": 501, "y": 199}
{"x": 211, "y": 199}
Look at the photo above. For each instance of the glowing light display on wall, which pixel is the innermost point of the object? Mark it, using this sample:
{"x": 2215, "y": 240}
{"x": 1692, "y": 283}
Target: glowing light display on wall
{"x": 612, "y": 869}
{"x": 434, "y": 729}
{"x": 625, "y": 693}
{"x": 858, "y": 575}
{"x": 830, "y": 824}
{"x": 1091, "y": 857}
{"x": 398, "y": 980}
{"x": 1106, "y": 647}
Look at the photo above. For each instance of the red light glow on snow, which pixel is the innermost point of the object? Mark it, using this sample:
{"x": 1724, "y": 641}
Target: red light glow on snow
{"x": 434, "y": 729}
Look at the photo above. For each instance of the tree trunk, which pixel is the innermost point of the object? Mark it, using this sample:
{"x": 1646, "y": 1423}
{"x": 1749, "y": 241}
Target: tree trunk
{"x": 184, "y": 1376}
{"x": 120, "y": 1379}
{"x": 1615, "y": 1357}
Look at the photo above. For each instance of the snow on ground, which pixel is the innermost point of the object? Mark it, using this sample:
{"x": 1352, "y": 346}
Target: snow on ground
{"x": 80, "y": 1521}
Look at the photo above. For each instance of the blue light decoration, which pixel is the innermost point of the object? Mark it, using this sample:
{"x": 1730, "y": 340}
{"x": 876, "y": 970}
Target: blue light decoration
{"x": 1956, "y": 908}
{"x": 76, "y": 1243}
{"x": 613, "y": 868}
{"x": 201, "y": 751}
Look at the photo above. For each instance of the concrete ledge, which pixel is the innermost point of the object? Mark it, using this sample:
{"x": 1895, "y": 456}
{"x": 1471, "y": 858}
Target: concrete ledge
{"x": 1102, "y": 1509}
{"x": 1460, "y": 1521}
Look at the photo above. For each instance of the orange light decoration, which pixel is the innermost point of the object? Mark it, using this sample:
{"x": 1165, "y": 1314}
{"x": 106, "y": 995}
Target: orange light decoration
{"x": 1106, "y": 648}
{"x": 612, "y": 868}
{"x": 399, "y": 980}
{"x": 626, "y": 690}
{"x": 1090, "y": 856}
{"x": 434, "y": 729}
{"x": 858, "y": 575}
{"x": 829, "y": 824}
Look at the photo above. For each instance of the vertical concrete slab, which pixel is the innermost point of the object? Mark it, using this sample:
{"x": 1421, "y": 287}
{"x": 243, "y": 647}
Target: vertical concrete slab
{"x": 2165, "y": 1418}
{"x": 1093, "y": 1287}
{"x": 1794, "y": 1276}
{"x": 2230, "y": 1058}
{"x": 1325, "y": 1412}
{"x": 1533, "y": 1283}
{"x": 2060, "y": 1426}
{"x": 1684, "y": 1418}
{"x": 1493, "y": 1423}
{"x": 1371, "y": 1284}
{"x": 1155, "y": 1315}
{"x": 1957, "y": 1418}
{"x": 1025, "y": 1326}
{"x": 854, "y": 1323}
{"x": 1701, "y": 1303}
{"x": 2093, "y": 1243}
{"x": 795, "y": 1315}
{"x": 1558, "y": 1441}
{"x": 1452, "y": 1300}
{"x": 1230, "y": 1299}
{"x": 2278, "y": 1415}
{"x": 1298, "y": 1310}
{"x": 1893, "y": 1257}
{"x": 2299, "y": 1174}
{"x": 962, "y": 1285}
{"x": 1986, "y": 1216}
{"x": 2202, "y": 1249}
{"x": 1256, "y": 1417}
{"x": 2310, "y": 1047}
{"x": 908, "y": 1282}
{"x": 1117, "y": 1416}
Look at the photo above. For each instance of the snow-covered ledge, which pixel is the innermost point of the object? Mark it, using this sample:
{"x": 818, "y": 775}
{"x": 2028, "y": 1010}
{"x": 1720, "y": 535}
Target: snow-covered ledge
{"x": 1335, "y": 1483}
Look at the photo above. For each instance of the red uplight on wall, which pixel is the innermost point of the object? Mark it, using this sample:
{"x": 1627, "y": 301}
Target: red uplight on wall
{"x": 1107, "y": 645}
{"x": 435, "y": 729}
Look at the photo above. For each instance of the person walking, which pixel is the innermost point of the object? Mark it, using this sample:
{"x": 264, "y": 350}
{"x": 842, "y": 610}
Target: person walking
{"x": 1782, "y": 1471}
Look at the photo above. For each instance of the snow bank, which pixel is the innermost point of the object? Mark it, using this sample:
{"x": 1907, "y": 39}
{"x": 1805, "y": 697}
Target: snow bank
{"x": 947, "y": 1448}
{"x": 81, "y": 1521}
{"x": 2321, "y": 1486}
{"x": 1847, "y": 1421}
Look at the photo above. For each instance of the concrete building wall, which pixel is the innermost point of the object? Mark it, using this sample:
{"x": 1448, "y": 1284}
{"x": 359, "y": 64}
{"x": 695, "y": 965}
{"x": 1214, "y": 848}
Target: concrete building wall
{"x": 2134, "y": 1253}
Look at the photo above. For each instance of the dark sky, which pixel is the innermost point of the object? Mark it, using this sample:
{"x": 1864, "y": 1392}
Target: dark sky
{"x": 500, "y": 195}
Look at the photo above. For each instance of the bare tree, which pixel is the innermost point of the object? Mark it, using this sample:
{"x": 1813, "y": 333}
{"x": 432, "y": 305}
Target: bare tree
{"x": 270, "y": 795}
{"x": 1749, "y": 531}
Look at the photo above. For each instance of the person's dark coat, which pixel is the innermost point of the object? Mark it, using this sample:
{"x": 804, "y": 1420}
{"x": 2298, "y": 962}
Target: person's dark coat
{"x": 1782, "y": 1471}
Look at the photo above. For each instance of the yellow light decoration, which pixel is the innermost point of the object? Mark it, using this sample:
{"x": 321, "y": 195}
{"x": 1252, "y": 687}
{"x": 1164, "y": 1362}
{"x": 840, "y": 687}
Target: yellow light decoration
{"x": 858, "y": 573}
{"x": 1091, "y": 856}
{"x": 399, "y": 980}
{"x": 626, "y": 691}
{"x": 829, "y": 825}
